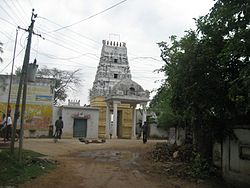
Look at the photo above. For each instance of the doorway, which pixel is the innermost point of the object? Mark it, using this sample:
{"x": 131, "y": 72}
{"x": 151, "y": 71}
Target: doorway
{"x": 80, "y": 128}
{"x": 119, "y": 123}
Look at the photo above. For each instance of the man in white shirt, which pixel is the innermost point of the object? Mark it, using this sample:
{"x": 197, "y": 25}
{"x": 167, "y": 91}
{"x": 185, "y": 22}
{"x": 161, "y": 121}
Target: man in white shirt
{"x": 8, "y": 127}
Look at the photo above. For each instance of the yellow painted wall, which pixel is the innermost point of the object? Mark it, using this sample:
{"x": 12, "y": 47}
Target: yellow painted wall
{"x": 37, "y": 117}
{"x": 38, "y": 114}
{"x": 101, "y": 104}
{"x": 127, "y": 115}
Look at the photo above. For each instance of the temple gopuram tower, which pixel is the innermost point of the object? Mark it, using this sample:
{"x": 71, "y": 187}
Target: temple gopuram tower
{"x": 115, "y": 94}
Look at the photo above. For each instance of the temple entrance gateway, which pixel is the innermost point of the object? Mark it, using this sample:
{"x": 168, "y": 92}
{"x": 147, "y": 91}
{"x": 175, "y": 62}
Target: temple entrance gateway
{"x": 114, "y": 92}
{"x": 119, "y": 123}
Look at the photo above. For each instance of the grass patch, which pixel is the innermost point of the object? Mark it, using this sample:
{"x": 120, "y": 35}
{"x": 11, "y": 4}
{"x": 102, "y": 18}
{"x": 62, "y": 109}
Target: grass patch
{"x": 12, "y": 172}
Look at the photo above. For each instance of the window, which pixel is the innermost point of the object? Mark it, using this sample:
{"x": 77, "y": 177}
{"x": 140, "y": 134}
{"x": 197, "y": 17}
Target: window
{"x": 115, "y": 75}
{"x": 132, "y": 91}
{"x": 115, "y": 60}
{"x": 244, "y": 150}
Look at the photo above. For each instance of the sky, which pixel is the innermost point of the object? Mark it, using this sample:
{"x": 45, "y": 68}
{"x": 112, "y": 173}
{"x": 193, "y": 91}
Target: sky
{"x": 73, "y": 32}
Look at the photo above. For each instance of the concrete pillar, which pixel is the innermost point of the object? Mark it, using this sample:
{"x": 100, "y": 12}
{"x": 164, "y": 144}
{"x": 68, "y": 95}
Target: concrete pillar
{"x": 134, "y": 122}
{"x": 115, "y": 104}
{"x": 107, "y": 127}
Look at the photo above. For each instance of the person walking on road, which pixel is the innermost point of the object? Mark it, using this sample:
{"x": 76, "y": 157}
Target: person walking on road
{"x": 59, "y": 127}
{"x": 6, "y": 127}
{"x": 145, "y": 132}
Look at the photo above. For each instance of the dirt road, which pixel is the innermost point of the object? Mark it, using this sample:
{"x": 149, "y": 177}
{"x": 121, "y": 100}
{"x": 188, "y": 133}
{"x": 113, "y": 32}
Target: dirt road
{"x": 114, "y": 164}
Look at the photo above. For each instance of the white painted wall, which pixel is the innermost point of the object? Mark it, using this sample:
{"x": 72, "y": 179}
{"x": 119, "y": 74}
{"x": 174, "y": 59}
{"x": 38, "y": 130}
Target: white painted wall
{"x": 68, "y": 120}
{"x": 235, "y": 169}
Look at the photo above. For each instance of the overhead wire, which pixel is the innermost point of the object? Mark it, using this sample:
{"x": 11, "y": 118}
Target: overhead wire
{"x": 8, "y": 22}
{"x": 13, "y": 12}
{"x": 21, "y": 7}
{"x": 85, "y": 54}
{"x": 7, "y": 36}
{"x": 105, "y": 10}
{"x": 145, "y": 58}
{"x": 12, "y": 60}
{"x": 9, "y": 39}
{"x": 20, "y": 13}
{"x": 71, "y": 40}
{"x": 67, "y": 29}
{"x": 8, "y": 15}
{"x": 50, "y": 56}
{"x": 63, "y": 46}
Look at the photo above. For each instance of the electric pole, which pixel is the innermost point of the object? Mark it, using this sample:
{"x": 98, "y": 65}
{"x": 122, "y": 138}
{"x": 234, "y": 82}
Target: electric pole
{"x": 22, "y": 85}
{"x": 11, "y": 75}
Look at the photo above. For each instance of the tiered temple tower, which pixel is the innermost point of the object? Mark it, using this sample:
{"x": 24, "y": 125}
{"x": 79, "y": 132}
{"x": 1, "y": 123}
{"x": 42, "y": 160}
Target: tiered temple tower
{"x": 115, "y": 94}
{"x": 113, "y": 67}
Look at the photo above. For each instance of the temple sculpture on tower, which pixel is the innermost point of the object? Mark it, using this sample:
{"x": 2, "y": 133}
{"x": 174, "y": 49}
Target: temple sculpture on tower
{"x": 116, "y": 94}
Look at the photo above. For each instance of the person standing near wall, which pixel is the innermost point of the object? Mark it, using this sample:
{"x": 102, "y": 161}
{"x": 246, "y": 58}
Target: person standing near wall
{"x": 59, "y": 127}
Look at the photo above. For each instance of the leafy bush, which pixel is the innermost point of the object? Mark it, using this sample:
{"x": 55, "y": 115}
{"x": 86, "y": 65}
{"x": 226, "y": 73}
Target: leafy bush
{"x": 200, "y": 168}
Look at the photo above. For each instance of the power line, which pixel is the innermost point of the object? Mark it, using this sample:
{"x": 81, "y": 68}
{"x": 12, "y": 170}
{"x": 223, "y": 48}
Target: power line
{"x": 18, "y": 11}
{"x": 11, "y": 60}
{"x": 60, "y": 59}
{"x": 90, "y": 16}
{"x": 8, "y": 15}
{"x": 13, "y": 12}
{"x": 9, "y": 39}
{"x": 64, "y": 59}
{"x": 71, "y": 40}
{"x": 21, "y": 7}
{"x": 68, "y": 29}
{"x": 63, "y": 46}
{"x": 145, "y": 58}
{"x": 7, "y": 36}
{"x": 8, "y": 21}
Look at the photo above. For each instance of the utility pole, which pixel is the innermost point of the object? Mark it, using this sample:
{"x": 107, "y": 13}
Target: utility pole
{"x": 25, "y": 80}
{"x": 11, "y": 75}
{"x": 22, "y": 84}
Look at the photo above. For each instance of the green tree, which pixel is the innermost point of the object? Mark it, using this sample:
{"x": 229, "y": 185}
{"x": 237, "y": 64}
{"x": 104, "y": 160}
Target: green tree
{"x": 227, "y": 28}
{"x": 207, "y": 72}
{"x": 160, "y": 104}
{"x": 64, "y": 81}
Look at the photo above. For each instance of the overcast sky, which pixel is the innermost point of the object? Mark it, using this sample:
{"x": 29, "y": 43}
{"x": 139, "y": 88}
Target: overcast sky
{"x": 139, "y": 23}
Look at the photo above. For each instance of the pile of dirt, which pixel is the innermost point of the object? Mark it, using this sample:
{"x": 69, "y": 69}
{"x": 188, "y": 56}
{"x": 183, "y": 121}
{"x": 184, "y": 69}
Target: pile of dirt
{"x": 163, "y": 152}
{"x": 172, "y": 160}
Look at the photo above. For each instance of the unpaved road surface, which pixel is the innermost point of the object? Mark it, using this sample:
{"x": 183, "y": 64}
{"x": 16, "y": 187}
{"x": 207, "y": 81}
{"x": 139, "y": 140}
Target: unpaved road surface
{"x": 114, "y": 164}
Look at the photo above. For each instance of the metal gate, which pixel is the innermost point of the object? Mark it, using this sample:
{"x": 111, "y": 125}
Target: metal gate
{"x": 80, "y": 128}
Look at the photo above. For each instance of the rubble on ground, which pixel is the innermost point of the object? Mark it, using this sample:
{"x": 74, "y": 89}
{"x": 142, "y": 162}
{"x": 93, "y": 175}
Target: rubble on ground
{"x": 88, "y": 141}
{"x": 164, "y": 152}
{"x": 173, "y": 160}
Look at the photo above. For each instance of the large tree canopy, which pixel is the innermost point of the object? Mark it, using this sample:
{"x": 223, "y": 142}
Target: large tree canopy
{"x": 207, "y": 82}
{"x": 64, "y": 81}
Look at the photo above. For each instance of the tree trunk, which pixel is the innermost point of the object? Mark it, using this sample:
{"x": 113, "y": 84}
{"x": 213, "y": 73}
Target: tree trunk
{"x": 203, "y": 139}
